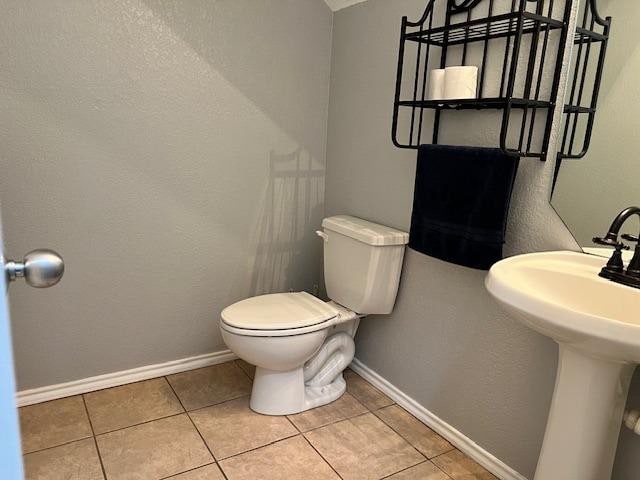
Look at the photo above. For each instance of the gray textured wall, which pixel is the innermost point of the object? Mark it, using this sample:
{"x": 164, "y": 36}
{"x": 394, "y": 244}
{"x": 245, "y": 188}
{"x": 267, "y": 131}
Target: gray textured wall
{"x": 447, "y": 344}
{"x": 173, "y": 153}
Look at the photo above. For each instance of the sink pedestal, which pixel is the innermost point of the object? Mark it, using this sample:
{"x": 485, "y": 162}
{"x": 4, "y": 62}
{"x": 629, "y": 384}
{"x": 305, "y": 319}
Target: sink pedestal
{"x": 595, "y": 322}
{"x": 585, "y": 417}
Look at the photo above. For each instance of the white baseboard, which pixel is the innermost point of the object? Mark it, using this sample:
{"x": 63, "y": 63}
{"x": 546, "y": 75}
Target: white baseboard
{"x": 455, "y": 437}
{"x": 76, "y": 387}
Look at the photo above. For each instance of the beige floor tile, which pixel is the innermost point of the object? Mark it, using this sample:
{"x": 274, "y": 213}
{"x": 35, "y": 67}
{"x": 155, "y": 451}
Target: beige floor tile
{"x": 232, "y": 427}
{"x": 153, "y": 450}
{"x": 367, "y": 394}
{"x": 208, "y": 386}
{"x": 425, "y": 440}
{"x": 363, "y": 448}
{"x": 73, "y": 461}
{"x": 424, "y": 471}
{"x": 343, "y": 408}
{"x": 210, "y": 472}
{"x": 53, "y": 423}
{"x": 288, "y": 459}
{"x": 120, "y": 407}
{"x": 460, "y": 467}
{"x": 246, "y": 367}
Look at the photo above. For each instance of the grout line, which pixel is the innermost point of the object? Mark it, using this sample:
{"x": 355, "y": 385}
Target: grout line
{"x": 261, "y": 446}
{"x": 445, "y": 453}
{"x": 421, "y": 463}
{"x": 253, "y": 450}
{"x": 243, "y": 370}
{"x": 93, "y": 436}
{"x": 375, "y": 416}
{"x": 403, "y": 437}
{"x": 445, "y": 473}
{"x": 217, "y": 403}
{"x": 441, "y": 454}
{"x": 405, "y": 469}
{"x": 350, "y": 417}
{"x": 141, "y": 423}
{"x": 409, "y": 441}
{"x": 373, "y": 387}
{"x": 58, "y": 445}
{"x": 224, "y": 474}
{"x": 184, "y": 410}
{"x": 104, "y": 472}
{"x": 346, "y": 417}
{"x": 294, "y": 425}
{"x": 192, "y": 423}
{"x": 215, "y": 459}
{"x": 187, "y": 471}
{"x": 322, "y": 457}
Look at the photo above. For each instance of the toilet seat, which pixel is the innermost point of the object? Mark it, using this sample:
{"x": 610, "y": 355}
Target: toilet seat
{"x": 278, "y": 315}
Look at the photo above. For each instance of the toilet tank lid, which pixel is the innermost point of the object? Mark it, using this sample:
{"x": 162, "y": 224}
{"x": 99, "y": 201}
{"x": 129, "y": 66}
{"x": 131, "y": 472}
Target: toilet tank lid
{"x": 365, "y": 231}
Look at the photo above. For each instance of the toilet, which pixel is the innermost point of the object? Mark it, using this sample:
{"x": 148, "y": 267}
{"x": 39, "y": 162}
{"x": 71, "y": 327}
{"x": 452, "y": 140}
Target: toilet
{"x": 300, "y": 344}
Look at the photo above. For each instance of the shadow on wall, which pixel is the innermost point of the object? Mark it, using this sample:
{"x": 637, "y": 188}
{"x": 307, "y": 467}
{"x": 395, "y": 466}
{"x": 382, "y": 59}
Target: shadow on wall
{"x": 290, "y": 211}
{"x": 147, "y": 127}
{"x": 230, "y": 36}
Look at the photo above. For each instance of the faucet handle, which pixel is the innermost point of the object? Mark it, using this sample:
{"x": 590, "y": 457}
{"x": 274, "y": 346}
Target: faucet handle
{"x": 610, "y": 242}
{"x": 630, "y": 238}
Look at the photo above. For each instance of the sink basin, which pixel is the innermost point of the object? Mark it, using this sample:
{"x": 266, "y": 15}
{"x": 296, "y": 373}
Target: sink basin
{"x": 596, "y": 322}
{"x": 560, "y": 294}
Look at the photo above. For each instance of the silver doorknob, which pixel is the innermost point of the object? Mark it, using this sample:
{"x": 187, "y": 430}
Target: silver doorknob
{"x": 40, "y": 268}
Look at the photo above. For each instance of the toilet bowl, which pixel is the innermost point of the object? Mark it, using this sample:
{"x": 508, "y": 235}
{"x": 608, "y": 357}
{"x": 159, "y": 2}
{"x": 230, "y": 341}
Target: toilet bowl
{"x": 288, "y": 333}
{"x": 300, "y": 344}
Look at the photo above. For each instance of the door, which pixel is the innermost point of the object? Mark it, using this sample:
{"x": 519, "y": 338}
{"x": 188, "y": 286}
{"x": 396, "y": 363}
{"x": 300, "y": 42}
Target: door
{"x": 10, "y": 455}
{"x": 40, "y": 268}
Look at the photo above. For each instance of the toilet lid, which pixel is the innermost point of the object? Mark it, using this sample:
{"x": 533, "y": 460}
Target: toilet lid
{"x": 278, "y": 311}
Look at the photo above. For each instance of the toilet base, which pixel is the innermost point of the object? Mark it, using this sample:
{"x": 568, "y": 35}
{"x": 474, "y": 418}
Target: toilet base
{"x": 318, "y": 382}
{"x": 285, "y": 393}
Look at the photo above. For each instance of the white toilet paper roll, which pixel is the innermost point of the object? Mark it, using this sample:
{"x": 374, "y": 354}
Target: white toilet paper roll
{"x": 436, "y": 84}
{"x": 460, "y": 83}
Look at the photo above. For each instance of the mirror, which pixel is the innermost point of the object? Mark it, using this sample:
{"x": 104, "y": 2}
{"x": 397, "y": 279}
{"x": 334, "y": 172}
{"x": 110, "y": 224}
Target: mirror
{"x": 589, "y": 192}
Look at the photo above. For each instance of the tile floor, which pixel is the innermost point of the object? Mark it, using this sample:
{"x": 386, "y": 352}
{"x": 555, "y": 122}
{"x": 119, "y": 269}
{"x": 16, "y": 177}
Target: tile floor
{"x": 197, "y": 425}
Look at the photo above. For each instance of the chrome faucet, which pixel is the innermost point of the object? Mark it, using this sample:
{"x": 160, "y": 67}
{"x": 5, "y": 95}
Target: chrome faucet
{"x": 614, "y": 269}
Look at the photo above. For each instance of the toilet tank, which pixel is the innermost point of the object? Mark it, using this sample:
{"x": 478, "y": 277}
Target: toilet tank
{"x": 362, "y": 263}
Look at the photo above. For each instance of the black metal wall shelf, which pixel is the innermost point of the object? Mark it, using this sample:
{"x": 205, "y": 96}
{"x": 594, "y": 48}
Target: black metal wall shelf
{"x": 482, "y": 29}
{"x": 591, "y": 38}
{"x": 476, "y": 103}
{"x": 529, "y": 54}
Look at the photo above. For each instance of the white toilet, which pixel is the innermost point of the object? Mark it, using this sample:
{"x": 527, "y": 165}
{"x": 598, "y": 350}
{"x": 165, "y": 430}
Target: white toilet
{"x": 299, "y": 344}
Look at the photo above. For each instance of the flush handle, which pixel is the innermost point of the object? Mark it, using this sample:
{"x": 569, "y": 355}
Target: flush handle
{"x": 40, "y": 268}
{"x": 322, "y": 235}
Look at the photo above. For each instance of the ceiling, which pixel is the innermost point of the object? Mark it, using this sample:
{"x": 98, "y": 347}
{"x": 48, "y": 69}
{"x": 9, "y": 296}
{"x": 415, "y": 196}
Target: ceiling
{"x": 336, "y": 5}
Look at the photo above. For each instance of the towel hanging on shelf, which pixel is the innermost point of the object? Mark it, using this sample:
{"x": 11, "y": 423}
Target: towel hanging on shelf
{"x": 461, "y": 203}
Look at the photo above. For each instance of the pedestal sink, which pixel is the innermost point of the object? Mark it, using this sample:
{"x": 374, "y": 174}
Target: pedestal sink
{"x": 596, "y": 322}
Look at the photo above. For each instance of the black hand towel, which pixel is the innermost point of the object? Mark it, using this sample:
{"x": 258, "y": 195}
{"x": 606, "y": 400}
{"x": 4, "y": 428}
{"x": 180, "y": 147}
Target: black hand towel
{"x": 461, "y": 202}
